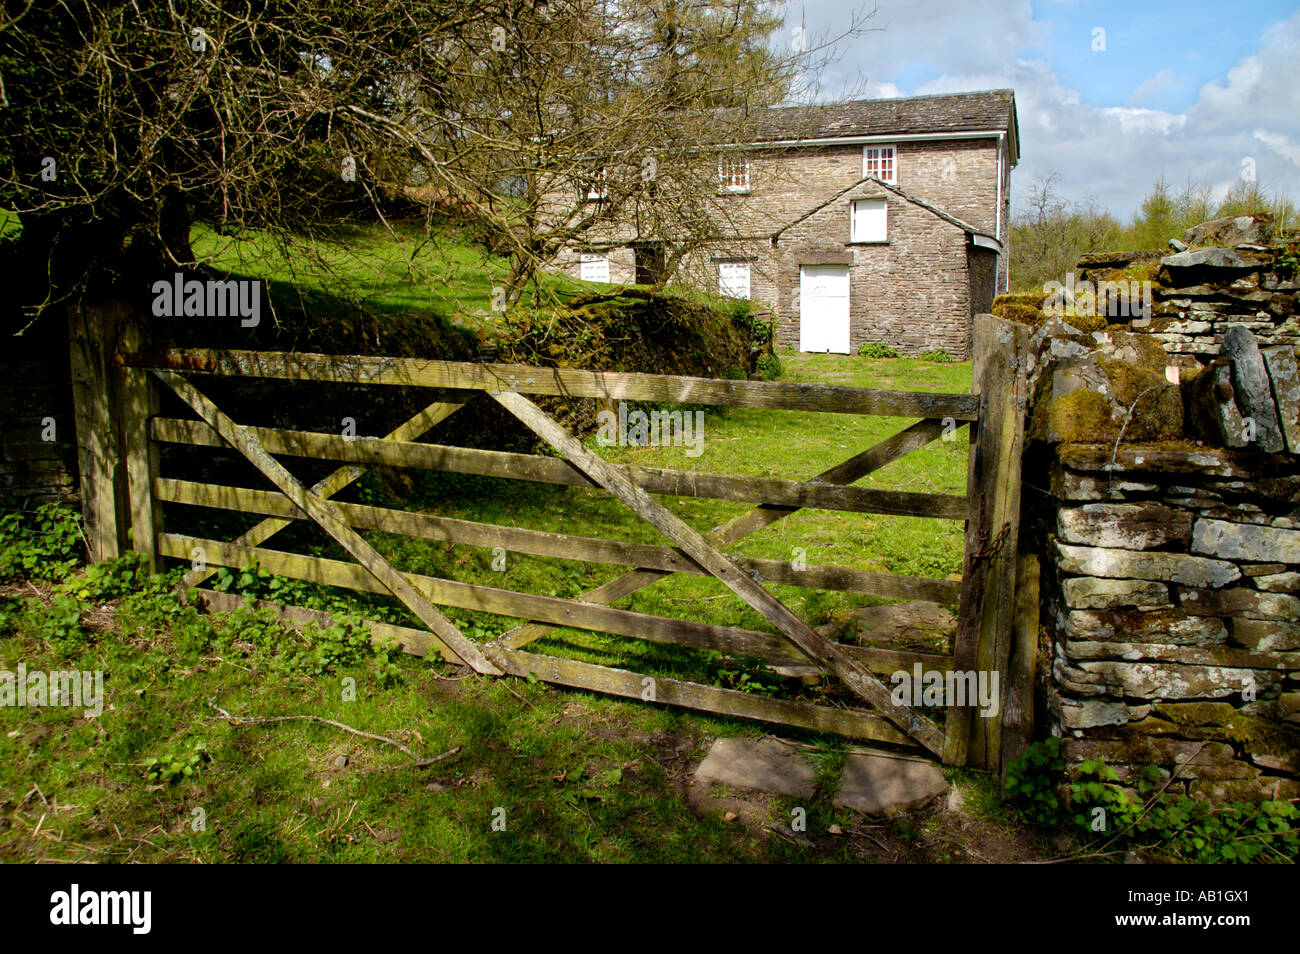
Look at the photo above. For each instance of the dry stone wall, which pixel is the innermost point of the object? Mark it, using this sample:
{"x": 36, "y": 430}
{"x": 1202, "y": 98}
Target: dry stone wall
{"x": 1171, "y": 631}
{"x": 38, "y": 449}
{"x": 1163, "y": 476}
{"x": 1198, "y": 294}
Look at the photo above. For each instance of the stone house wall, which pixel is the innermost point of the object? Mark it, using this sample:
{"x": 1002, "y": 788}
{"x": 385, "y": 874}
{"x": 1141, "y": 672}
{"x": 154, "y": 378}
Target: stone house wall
{"x": 912, "y": 291}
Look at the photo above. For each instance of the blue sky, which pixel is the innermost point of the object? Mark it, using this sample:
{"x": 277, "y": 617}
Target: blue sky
{"x": 1111, "y": 95}
{"x": 1191, "y": 43}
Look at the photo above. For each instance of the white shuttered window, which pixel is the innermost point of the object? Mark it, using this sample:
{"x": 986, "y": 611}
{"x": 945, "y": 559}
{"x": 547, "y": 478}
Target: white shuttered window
{"x": 733, "y": 279}
{"x": 595, "y": 268}
{"x": 870, "y": 221}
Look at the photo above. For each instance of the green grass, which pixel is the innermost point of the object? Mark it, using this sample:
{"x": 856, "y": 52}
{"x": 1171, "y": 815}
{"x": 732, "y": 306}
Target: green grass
{"x": 405, "y": 271}
{"x": 788, "y": 445}
{"x": 575, "y": 777}
{"x": 76, "y": 789}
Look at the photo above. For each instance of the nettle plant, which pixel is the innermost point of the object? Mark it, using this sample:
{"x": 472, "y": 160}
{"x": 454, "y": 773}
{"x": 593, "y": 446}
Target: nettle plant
{"x": 40, "y": 544}
{"x": 1143, "y": 814}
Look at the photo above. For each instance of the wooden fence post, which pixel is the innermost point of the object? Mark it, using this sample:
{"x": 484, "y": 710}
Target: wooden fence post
{"x": 96, "y": 395}
{"x": 1018, "y": 712}
{"x": 983, "y": 641}
{"x": 140, "y": 403}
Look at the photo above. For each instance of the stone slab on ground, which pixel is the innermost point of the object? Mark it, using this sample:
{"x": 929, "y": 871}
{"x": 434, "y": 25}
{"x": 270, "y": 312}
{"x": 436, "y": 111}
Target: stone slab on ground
{"x": 873, "y": 783}
{"x": 768, "y": 765}
{"x": 880, "y": 784}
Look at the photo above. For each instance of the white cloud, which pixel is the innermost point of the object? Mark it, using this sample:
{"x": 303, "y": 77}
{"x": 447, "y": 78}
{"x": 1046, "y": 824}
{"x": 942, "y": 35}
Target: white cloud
{"x": 1151, "y": 87}
{"x": 1280, "y": 144}
{"x": 1133, "y": 121}
{"x": 961, "y": 38}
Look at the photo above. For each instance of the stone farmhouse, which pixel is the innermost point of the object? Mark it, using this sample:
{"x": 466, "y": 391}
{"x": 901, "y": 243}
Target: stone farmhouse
{"x": 868, "y": 221}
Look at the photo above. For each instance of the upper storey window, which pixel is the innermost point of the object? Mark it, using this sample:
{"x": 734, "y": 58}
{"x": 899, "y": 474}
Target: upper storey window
{"x": 733, "y": 173}
{"x": 879, "y": 161}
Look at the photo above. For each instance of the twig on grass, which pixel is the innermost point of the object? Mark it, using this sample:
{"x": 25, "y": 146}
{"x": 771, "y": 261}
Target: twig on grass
{"x": 508, "y": 689}
{"x": 262, "y": 720}
{"x": 883, "y": 847}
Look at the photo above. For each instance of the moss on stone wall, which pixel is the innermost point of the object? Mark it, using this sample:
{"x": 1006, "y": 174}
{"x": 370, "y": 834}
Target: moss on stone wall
{"x": 1081, "y": 417}
{"x": 1022, "y": 312}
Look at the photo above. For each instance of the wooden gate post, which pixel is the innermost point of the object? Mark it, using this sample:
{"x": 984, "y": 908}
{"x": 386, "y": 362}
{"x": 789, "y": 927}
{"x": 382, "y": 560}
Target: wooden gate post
{"x": 984, "y": 626}
{"x": 140, "y": 404}
{"x": 96, "y": 395}
{"x": 1018, "y": 696}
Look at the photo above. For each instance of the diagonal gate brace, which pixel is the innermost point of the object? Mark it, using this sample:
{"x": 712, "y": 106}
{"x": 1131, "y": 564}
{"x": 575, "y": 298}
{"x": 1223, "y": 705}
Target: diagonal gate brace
{"x": 906, "y": 441}
{"x": 336, "y": 480}
{"x": 616, "y": 480}
{"x": 327, "y": 516}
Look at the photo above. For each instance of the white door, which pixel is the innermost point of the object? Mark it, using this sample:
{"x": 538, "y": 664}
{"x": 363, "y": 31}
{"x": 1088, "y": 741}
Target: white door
{"x": 824, "y": 308}
{"x": 595, "y": 268}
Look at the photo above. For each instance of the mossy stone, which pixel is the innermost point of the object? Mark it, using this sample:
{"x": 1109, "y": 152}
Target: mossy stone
{"x": 1030, "y": 299}
{"x": 1020, "y": 313}
{"x": 1082, "y": 416}
{"x": 1219, "y": 720}
{"x": 1086, "y": 322}
{"x": 1158, "y": 416}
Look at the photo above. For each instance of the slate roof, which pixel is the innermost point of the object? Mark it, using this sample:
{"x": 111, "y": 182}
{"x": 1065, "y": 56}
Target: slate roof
{"x": 947, "y": 113}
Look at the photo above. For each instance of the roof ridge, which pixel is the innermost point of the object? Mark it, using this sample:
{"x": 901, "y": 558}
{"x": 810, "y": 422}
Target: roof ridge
{"x": 895, "y": 99}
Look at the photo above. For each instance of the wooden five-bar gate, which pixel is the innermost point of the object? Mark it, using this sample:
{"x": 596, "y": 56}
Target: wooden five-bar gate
{"x": 121, "y": 430}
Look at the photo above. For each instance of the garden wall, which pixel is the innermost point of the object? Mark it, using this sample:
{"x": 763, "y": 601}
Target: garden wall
{"x": 1197, "y": 294}
{"x": 38, "y": 449}
{"x": 1171, "y": 614}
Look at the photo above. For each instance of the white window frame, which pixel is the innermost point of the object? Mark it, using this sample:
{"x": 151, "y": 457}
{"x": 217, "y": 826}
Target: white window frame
{"x": 597, "y": 187}
{"x": 592, "y": 258}
{"x": 729, "y": 287}
{"x": 733, "y": 174}
{"x": 864, "y": 230}
{"x": 880, "y": 161}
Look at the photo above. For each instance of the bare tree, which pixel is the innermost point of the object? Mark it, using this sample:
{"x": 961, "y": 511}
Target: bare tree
{"x": 127, "y": 120}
